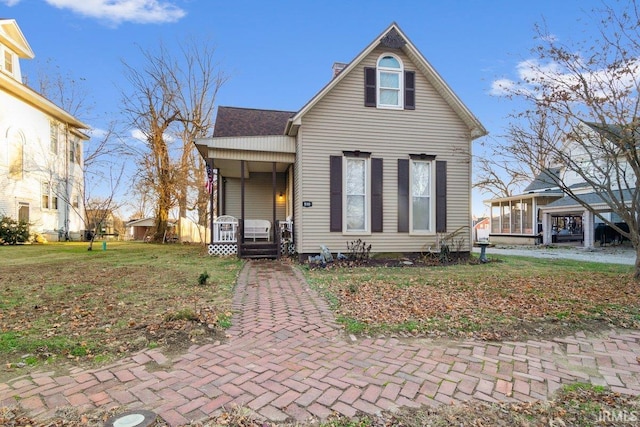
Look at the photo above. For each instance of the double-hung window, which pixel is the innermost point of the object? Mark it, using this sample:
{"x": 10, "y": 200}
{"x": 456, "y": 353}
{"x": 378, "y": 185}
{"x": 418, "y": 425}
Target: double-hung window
{"x": 389, "y": 82}
{"x": 45, "y": 195}
{"x": 53, "y": 136}
{"x": 421, "y": 210}
{"x": 8, "y": 61}
{"x": 356, "y": 194}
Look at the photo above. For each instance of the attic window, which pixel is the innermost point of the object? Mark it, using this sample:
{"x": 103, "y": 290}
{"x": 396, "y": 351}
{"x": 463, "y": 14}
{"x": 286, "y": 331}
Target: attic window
{"x": 389, "y": 82}
{"x": 8, "y": 62}
{"x": 388, "y": 85}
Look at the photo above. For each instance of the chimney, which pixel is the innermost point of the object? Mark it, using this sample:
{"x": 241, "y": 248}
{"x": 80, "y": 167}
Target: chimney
{"x": 338, "y": 67}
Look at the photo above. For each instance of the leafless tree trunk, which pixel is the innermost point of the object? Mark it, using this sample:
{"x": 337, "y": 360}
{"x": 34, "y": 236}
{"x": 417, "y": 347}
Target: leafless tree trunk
{"x": 173, "y": 97}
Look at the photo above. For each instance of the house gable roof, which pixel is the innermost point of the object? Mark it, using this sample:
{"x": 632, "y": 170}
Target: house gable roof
{"x": 233, "y": 121}
{"x": 12, "y": 37}
{"x": 393, "y": 37}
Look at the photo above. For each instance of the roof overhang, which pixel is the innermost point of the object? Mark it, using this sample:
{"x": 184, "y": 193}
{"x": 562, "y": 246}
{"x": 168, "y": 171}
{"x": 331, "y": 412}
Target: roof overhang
{"x": 258, "y": 152}
{"x": 11, "y": 35}
{"x": 31, "y": 97}
{"x": 476, "y": 129}
{"x": 524, "y": 196}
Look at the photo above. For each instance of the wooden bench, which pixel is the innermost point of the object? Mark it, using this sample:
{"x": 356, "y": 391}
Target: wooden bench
{"x": 257, "y": 229}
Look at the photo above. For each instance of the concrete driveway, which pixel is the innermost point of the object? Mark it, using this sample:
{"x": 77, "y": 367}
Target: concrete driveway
{"x": 608, "y": 254}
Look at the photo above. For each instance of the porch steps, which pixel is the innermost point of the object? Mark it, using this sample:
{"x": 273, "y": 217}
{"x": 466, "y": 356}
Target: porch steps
{"x": 259, "y": 250}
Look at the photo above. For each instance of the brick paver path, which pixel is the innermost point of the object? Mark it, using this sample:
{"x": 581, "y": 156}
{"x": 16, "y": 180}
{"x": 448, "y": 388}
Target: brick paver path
{"x": 287, "y": 357}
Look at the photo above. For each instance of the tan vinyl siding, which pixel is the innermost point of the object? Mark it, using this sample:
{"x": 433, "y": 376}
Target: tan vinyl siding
{"x": 340, "y": 121}
{"x": 258, "y": 197}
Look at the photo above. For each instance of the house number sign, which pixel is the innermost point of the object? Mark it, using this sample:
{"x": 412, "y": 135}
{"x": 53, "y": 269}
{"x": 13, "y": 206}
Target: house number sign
{"x": 307, "y": 204}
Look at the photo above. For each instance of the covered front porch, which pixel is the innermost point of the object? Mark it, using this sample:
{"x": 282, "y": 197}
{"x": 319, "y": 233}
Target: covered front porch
{"x": 252, "y": 199}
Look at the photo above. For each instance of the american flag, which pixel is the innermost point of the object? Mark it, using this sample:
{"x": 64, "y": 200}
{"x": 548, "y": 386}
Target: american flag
{"x": 209, "y": 180}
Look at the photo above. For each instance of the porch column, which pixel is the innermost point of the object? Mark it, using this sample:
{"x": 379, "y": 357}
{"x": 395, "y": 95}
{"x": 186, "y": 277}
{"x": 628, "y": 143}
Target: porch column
{"x": 242, "y": 198}
{"x": 273, "y": 197}
{"x": 546, "y": 229}
{"x": 588, "y": 229}
{"x": 211, "y": 208}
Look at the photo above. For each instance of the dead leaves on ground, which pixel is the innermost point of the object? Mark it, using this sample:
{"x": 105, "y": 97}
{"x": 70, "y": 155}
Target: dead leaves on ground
{"x": 489, "y": 308}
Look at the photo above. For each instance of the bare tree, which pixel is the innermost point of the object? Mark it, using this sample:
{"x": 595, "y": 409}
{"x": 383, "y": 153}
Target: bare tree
{"x": 172, "y": 97}
{"x": 589, "y": 92}
{"x": 100, "y": 161}
{"x": 198, "y": 81}
{"x": 519, "y": 155}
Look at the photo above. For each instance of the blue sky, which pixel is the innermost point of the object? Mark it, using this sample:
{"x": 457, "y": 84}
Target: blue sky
{"x": 278, "y": 54}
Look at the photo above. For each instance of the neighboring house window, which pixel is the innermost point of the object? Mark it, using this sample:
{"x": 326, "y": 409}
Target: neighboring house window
{"x": 45, "y": 195}
{"x": 419, "y": 209}
{"x": 355, "y": 193}
{"x": 388, "y": 85}
{"x": 49, "y": 198}
{"x": 76, "y": 201}
{"x": 72, "y": 151}
{"x": 53, "y": 131}
{"x": 8, "y": 61}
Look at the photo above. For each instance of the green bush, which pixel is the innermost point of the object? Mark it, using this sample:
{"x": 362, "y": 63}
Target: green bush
{"x": 12, "y": 231}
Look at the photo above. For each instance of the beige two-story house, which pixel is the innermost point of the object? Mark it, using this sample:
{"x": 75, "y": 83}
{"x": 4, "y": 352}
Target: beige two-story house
{"x": 381, "y": 154}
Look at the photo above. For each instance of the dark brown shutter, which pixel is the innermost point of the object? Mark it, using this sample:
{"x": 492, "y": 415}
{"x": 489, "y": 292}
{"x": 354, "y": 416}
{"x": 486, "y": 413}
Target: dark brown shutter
{"x": 369, "y": 87}
{"x": 376, "y": 195}
{"x": 441, "y": 197}
{"x": 403, "y": 195}
{"x": 409, "y": 90}
{"x": 335, "y": 193}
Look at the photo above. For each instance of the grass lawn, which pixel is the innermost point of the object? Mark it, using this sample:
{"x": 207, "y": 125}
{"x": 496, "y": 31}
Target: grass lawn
{"x": 60, "y": 301}
{"x": 508, "y": 298}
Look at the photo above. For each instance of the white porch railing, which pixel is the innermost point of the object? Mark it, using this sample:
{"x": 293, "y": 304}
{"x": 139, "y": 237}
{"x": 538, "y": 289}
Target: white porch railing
{"x": 225, "y": 229}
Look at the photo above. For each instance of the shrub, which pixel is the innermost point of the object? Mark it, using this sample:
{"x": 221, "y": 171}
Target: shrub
{"x": 358, "y": 251}
{"x": 12, "y": 231}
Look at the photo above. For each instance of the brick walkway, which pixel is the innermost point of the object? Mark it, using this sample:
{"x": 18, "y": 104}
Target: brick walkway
{"x": 287, "y": 357}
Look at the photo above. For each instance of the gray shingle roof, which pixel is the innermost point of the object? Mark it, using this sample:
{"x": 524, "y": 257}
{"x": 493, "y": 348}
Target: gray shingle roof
{"x": 233, "y": 121}
{"x": 544, "y": 180}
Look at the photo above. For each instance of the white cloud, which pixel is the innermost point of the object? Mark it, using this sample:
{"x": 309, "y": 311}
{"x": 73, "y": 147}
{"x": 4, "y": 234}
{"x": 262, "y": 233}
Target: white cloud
{"x": 118, "y": 11}
{"x": 10, "y": 2}
{"x": 502, "y": 87}
{"x": 137, "y": 134}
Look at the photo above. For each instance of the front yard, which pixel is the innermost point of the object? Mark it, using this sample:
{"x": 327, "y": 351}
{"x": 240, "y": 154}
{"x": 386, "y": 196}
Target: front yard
{"x": 511, "y": 298}
{"x": 61, "y": 304}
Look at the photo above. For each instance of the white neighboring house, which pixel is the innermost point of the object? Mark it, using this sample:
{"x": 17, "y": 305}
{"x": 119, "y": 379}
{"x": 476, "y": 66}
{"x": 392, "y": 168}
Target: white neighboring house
{"x": 41, "y": 146}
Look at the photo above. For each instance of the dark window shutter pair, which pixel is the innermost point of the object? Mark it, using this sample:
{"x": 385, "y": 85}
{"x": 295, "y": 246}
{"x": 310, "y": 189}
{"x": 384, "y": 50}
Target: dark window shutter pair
{"x": 335, "y": 191}
{"x": 370, "y": 88}
{"x": 404, "y": 201}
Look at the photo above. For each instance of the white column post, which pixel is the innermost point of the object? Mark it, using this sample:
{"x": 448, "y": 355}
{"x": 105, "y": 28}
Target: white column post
{"x": 546, "y": 229}
{"x": 588, "y": 229}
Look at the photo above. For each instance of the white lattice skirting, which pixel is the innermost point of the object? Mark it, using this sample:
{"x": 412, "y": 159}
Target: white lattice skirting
{"x": 228, "y": 249}
{"x": 223, "y": 249}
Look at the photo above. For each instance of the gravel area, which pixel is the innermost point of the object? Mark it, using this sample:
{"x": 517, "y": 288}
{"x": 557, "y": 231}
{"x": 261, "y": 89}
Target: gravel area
{"x": 608, "y": 254}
